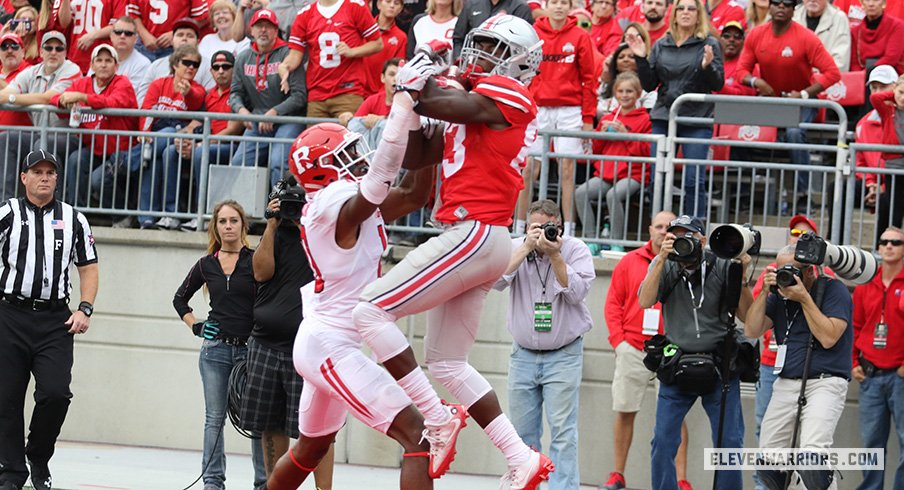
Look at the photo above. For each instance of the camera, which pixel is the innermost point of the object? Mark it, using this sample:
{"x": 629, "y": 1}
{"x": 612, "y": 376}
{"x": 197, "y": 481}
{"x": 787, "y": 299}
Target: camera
{"x": 850, "y": 263}
{"x": 291, "y": 201}
{"x": 687, "y": 248}
{"x": 550, "y": 231}
{"x": 784, "y": 277}
{"x": 732, "y": 241}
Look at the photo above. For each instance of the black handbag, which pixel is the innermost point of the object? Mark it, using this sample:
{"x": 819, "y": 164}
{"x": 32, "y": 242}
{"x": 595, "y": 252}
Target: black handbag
{"x": 696, "y": 373}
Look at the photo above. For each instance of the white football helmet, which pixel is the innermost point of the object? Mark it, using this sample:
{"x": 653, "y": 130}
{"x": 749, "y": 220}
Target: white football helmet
{"x": 517, "y": 54}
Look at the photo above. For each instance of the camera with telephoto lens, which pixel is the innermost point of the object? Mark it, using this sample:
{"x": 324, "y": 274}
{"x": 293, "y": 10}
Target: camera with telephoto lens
{"x": 850, "y": 263}
{"x": 784, "y": 277}
{"x": 291, "y": 201}
{"x": 550, "y": 231}
{"x": 732, "y": 241}
{"x": 686, "y": 248}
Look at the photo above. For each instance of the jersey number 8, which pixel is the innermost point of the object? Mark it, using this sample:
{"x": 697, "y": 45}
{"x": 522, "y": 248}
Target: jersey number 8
{"x": 329, "y": 54}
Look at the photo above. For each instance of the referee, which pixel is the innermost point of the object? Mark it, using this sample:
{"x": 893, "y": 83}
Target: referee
{"x": 40, "y": 238}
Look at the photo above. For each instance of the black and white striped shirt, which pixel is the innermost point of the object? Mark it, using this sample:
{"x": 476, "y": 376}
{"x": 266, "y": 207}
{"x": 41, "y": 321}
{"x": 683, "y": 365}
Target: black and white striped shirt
{"x": 38, "y": 246}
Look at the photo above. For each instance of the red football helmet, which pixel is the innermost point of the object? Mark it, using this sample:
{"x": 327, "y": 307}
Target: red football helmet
{"x": 325, "y": 153}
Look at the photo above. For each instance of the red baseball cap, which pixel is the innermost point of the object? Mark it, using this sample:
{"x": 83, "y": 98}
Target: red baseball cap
{"x": 797, "y": 219}
{"x": 9, "y": 36}
{"x": 264, "y": 14}
{"x": 186, "y": 22}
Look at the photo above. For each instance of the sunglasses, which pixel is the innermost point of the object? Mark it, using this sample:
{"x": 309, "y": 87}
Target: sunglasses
{"x": 50, "y": 49}
{"x": 10, "y": 47}
{"x": 223, "y": 67}
{"x": 796, "y": 233}
{"x": 689, "y": 8}
{"x": 732, "y": 35}
{"x": 120, "y": 32}
{"x": 191, "y": 64}
{"x": 889, "y": 241}
{"x": 584, "y": 24}
{"x": 786, "y": 3}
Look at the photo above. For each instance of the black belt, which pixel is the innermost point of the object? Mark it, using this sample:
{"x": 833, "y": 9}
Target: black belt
{"x": 33, "y": 304}
{"x": 544, "y": 351}
{"x": 236, "y": 341}
{"x": 816, "y": 376}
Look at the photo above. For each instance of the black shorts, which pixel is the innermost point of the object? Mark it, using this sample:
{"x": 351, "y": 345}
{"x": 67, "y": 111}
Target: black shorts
{"x": 272, "y": 391}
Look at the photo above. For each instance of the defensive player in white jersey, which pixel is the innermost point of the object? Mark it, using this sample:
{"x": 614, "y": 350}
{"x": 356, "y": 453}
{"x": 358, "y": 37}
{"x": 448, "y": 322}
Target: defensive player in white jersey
{"x": 343, "y": 236}
{"x": 486, "y": 141}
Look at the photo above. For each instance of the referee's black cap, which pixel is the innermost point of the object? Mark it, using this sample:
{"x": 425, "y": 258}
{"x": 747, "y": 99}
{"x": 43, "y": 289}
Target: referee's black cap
{"x": 38, "y": 156}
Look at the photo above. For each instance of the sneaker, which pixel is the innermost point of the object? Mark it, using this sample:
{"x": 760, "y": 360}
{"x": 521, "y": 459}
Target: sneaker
{"x": 616, "y": 248}
{"x": 127, "y": 222}
{"x": 685, "y": 485}
{"x": 616, "y": 482}
{"x": 146, "y": 225}
{"x": 40, "y": 476}
{"x": 528, "y": 475}
{"x": 167, "y": 223}
{"x": 190, "y": 225}
{"x": 442, "y": 440}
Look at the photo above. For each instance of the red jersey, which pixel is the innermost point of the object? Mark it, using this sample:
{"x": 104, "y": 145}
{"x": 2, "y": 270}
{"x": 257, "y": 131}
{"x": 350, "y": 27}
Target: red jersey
{"x": 53, "y": 23}
{"x": 375, "y": 104}
{"x": 328, "y": 74}
{"x": 159, "y": 16}
{"x": 887, "y": 113}
{"x": 638, "y": 122}
{"x": 567, "y": 76}
{"x": 882, "y": 44}
{"x": 869, "y": 131}
{"x": 733, "y": 85}
{"x": 394, "y": 43}
{"x": 90, "y": 16}
{"x": 874, "y": 303}
{"x": 727, "y": 11}
{"x": 482, "y": 166}
{"x": 624, "y": 316}
{"x": 15, "y": 118}
{"x": 787, "y": 61}
{"x": 118, "y": 94}
{"x": 161, "y": 96}
{"x": 215, "y": 101}
{"x": 599, "y": 33}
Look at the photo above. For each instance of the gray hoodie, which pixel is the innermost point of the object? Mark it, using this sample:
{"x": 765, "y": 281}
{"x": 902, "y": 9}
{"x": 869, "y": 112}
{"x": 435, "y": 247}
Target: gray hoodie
{"x": 676, "y": 70}
{"x": 255, "y": 83}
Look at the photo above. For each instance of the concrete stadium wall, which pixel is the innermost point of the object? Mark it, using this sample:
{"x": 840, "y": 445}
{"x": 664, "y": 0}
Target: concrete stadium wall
{"x": 136, "y": 378}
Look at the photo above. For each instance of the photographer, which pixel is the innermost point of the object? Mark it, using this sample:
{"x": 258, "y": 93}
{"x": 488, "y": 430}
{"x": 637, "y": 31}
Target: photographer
{"x": 273, "y": 388}
{"x": 550, "y": 276}
{"x": 693, "y": 286}
{"x": 802, "y": 316}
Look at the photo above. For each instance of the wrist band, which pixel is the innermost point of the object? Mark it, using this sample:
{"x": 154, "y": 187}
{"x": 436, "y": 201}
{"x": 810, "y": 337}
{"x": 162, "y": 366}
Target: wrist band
{"x": 752, "y": 82}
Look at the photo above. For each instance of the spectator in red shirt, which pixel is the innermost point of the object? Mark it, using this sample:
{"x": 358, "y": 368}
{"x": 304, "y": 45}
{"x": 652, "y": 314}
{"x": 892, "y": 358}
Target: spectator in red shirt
{"x": 92, "y": 23}
{"x": 335, "y": 74}
{"x": 831, "y": 27}
{"x": 603, "y": 16}
{"x": 869, "y": 131}
{"x": 617, "y": 181}
{"x": 55, "y": 15}
{"x": 855, "y": 11}
{"x": 722, "y": 12}
{"x": 879, "y": 353}
{"x": 12, "y": 59}
{"x": 890, "y": 106}
{"x": 653, "y": 15}
{"x": 24, "y": 24}
{"x": 565, "y": 91}
{"x": 102, "y": 90}
{"x": 732, "y": 41}
{"x": 370, "y": 118}
{"x": 157, "y": 19}
{"x": 394, "y": 44}
{"x": 877, "y": 40}
{"x": 793, "y": 63}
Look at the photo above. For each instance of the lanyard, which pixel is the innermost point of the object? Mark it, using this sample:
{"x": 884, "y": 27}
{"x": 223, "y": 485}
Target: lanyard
{"x": 694, "y": 304}
{"x": 790, "y": 323}
{"x": 543, "y": 279}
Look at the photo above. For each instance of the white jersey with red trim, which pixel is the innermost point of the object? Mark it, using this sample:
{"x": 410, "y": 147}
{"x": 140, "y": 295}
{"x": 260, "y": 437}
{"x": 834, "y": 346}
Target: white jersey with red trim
{"x": 339, "y": 274}
{"x": 482, "y": 166}
{"x": 320, "y": 30}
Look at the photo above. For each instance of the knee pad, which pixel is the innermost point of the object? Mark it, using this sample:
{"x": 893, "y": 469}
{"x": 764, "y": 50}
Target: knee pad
{"x": 379, "y": 331}
{"x": 462, "y": 380}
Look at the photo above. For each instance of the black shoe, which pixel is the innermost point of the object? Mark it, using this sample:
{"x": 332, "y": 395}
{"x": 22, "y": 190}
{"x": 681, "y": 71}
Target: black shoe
{"x": 40, "y": 476}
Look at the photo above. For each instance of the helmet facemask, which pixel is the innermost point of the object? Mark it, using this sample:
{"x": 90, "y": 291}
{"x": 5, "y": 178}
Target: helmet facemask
{"x": 350, "y": 159}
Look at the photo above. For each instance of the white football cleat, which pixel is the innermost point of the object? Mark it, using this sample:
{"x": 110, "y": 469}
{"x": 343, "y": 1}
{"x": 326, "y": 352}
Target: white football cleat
{"x": 442, "y": 439}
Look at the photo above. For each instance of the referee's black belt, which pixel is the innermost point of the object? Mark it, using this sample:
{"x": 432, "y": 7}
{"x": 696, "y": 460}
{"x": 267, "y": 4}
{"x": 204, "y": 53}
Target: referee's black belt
{"x": 33, "y": 304}
{"x": 236, "y": 341}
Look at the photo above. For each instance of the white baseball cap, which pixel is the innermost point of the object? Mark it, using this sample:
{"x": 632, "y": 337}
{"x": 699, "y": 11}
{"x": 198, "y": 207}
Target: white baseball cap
{"x": 883, "y": 74}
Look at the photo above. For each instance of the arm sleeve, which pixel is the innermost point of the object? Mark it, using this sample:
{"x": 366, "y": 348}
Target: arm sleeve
{"x": 616, "y": 298}
{"x": 84, "y": 250}
{"x": 646, "y": 70}
{"x": 747, "y": 59}
{"x": 579, "y": 267}
{"x": 878, "y": 101}
{"x": 297, "y": 33}
{"x": 120, "y": 96}
{"x": 412, "y": 42}
{"x": 714, "y": 74}
{"x": 199, "y": 10}
{"x": 237, "y": 89}
{"x": 193, "y": 281}
{"x": 841, "y": 46}
{"x": 144, "y": 123}
{"x": 194, "y": 99}
{"x": 298, "y": 95}
{"x": 589, "y": 79}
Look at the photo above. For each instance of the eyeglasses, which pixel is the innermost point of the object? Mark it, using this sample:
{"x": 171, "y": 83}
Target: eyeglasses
{"x": 10, "y": 47}
{"x": 796, "y": 233}
{"x": 191, "y": 64}
{"x": 223, "y": 67}
{"x": 732, "y": 35}
{"x": 786, "y": 3}
{"x": 689, "y": 8}
{"x": 50, "y": 49}
{"x": 889, "y": 241}
{"x": 120, "y": 32}
{"x": 584, "y": 24}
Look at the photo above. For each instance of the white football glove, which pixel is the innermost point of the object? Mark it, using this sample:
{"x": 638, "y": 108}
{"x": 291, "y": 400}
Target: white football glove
{"x": 413, "y": 75}
{"x": 430, "y": 126}
{"x": 439, "y": 52}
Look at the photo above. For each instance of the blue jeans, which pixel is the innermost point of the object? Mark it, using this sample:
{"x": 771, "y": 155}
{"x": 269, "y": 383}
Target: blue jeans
{"x": 215, "y": 363}
{"x": 696, "y": 197}
{"x": 549, "y": 380}
{"x": 220, "y": 154}
{"x": 763, "y": 395}
{"x": 882, "y": 400}
{"x": 260, "y": 154}
{"x": 152, "y": 55}
{"x": 800, "y": 157}
{"x": 159, "y": 180}
{"x": 92, "y": 175}
{"x": 671, "y": 409}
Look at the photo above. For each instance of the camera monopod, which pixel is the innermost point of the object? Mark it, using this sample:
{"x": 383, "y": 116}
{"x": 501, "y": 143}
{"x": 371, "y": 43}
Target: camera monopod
{"x": 730, "y": 299}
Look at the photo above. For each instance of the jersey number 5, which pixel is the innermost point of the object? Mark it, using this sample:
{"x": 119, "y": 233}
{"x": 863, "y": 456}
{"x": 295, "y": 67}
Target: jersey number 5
{"x": 159, "y": 11}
